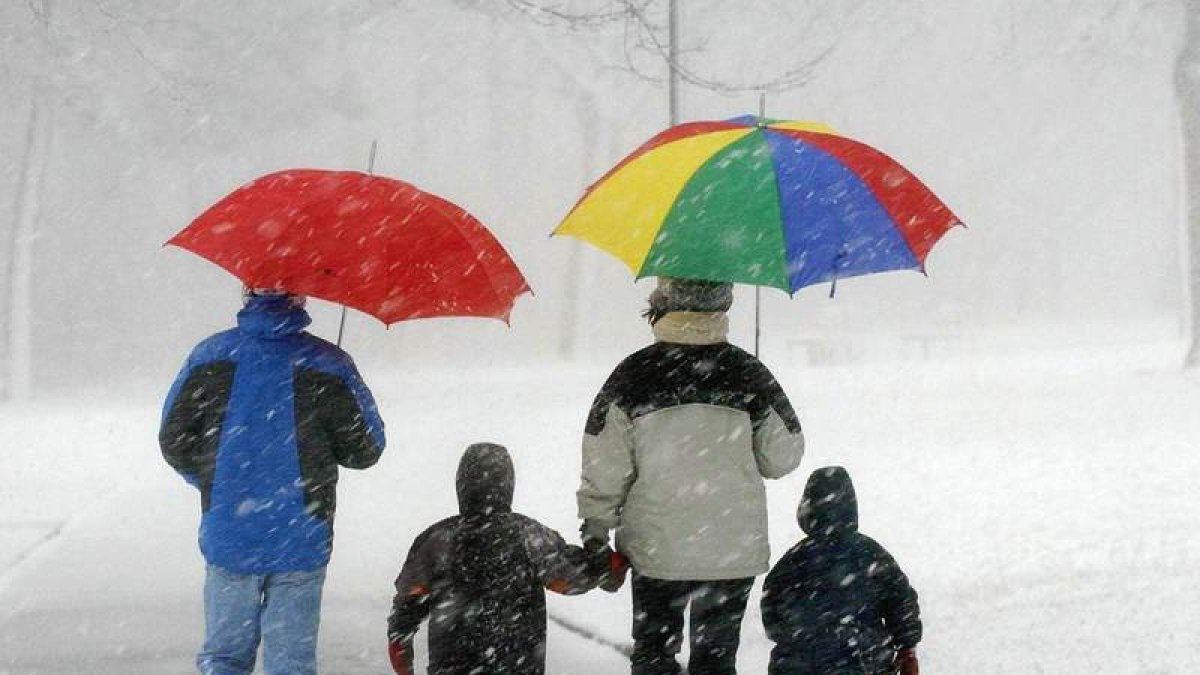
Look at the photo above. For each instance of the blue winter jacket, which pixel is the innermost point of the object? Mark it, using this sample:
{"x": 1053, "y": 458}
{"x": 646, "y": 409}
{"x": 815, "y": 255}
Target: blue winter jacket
{"x": 259, "y": 419}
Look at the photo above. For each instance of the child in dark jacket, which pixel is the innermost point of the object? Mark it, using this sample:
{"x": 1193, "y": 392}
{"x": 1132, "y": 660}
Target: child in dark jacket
{"x": 479, "y": 578}
{"x": 837, "y": 602}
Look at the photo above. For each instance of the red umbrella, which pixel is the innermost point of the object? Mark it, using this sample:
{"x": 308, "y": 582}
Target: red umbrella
{"x": 376, "y": 244}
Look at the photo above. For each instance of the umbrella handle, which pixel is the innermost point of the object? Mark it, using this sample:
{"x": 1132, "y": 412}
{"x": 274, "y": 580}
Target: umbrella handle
{"x": 836, "y": 264}
{"x": 757, "y": 317}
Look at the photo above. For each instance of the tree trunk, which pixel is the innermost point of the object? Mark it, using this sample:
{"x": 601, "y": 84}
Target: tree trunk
{"x": 1187, "y": 82}
{"x": 16, "y": 342}
{"x": 672, "y": 63}
{"x": 577, "y": 270}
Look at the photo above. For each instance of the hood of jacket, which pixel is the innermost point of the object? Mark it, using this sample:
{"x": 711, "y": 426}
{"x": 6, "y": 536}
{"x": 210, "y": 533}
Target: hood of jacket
{"x": 272, "y": 317}
{"x": 829, "y": 506}
{"x": 485, "y": 480}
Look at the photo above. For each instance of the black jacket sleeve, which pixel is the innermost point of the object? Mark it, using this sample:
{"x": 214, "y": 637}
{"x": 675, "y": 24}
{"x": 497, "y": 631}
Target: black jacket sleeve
{"x": 192, "y": 417}
{"x": 898, "y": 604}
{"x": 414, "y": 585}
{"x": 563, "y": 568}
{"x": 345, "y": 416}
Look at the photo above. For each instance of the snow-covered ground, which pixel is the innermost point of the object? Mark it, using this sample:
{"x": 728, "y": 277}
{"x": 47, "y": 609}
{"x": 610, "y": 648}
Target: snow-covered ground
{"x": 1044, "y": 508}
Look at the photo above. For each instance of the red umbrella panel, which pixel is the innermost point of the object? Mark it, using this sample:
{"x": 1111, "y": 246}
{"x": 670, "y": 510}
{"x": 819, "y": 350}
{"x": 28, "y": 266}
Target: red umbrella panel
{"x": 379, "y": 245}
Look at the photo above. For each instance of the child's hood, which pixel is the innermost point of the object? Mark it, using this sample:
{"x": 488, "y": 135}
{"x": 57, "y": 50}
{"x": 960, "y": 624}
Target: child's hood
{"x": 829, "y": 506}
{"x": 485, "y": 480}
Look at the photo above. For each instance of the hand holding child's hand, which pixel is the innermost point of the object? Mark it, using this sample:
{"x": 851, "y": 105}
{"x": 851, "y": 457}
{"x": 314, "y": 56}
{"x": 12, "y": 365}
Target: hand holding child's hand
{"x": 618, "y": 566}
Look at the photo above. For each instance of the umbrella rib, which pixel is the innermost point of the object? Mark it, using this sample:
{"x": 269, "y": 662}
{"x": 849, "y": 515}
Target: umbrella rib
{"x": 687, "y": 154}
{"x": 437, "y": 206}
{"x": 683, "y": 185}
{"x": 814, "y": 143}
{"x": 787, "y": 277}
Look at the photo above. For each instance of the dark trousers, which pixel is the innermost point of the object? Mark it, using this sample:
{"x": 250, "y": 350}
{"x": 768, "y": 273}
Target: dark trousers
{"x": 715, "y": 624}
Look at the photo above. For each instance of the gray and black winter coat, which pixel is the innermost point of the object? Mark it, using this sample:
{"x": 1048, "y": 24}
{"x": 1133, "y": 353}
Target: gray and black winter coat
{"x": 677, "y": 445}
{"x": 479, "y": 577}
{"x": 837, "y": 602}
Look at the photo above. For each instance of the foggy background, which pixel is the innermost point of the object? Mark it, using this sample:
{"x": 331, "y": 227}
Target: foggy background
{"x": 1050, "y": 128}
{"x": 1017, "y": 422}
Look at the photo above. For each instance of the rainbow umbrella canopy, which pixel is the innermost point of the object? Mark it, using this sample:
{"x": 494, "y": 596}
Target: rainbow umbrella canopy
{"x": 760, "y": 201}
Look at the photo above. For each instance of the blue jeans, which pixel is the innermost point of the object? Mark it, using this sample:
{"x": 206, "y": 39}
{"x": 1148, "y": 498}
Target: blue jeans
{"x": 283, "y": 610}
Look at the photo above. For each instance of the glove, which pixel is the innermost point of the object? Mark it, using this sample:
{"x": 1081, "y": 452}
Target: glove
{"x": 618, "y": 566}
{"x": 400, "y": 653}
{"x": 906, "y": 659}
{"x": 594, "y": 536}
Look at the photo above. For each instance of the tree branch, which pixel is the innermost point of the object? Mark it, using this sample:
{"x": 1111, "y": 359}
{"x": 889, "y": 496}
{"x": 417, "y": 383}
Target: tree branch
{"x": 549, "y": 15}
{"x": 643, "y": 34}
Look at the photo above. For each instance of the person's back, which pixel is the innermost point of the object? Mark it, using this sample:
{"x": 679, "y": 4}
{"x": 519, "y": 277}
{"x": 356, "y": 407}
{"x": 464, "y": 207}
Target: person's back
{"x": 479, "y": 577}
{"x": 259, "y": 420}
{"x": 676, "y": 448}
{"x": 837, "y": 602}
{"x": 706, "y": 423}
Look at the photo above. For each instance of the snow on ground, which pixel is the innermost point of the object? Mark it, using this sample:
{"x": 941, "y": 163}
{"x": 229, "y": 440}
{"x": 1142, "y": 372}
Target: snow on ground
{"x": 1044, "y": 509}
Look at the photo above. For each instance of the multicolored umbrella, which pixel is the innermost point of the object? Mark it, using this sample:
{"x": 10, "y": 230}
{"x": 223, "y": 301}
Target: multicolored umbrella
{"x": 760, "y": 201}
{"x": 376, "y": 244}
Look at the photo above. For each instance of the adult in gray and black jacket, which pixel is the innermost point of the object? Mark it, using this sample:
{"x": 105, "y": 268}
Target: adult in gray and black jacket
{"x": 676, "y": 448}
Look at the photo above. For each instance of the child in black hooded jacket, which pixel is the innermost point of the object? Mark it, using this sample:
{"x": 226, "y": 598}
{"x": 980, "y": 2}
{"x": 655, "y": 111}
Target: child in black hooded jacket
{"x": 479, "y": 577}
{"x": 837, "y": 602}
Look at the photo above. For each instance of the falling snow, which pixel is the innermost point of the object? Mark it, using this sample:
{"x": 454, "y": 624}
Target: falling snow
{"x": 1017, "y": 424}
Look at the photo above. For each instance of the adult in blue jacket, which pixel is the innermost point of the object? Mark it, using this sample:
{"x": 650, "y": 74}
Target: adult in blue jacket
{"x": 259, "y": 420}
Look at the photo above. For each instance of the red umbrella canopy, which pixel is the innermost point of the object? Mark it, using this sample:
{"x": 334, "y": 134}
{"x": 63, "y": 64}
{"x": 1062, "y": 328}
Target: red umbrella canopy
{"x": 376, "y": 244}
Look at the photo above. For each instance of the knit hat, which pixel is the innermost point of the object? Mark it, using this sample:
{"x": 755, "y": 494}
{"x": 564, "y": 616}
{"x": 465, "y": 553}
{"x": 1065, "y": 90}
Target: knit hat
{"x": 688, "y": 295}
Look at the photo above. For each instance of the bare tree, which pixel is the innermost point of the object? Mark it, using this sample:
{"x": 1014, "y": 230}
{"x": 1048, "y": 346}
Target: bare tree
{"x": 16, "y": 265}
{"x": 97, "y": 72}
{"x": 1187, "y": 82}
{"x": 653, "y": 39}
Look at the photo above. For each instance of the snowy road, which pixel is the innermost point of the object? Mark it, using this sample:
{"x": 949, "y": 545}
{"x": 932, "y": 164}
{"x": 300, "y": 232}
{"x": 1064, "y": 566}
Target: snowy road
{"x": 1048, "y": 518}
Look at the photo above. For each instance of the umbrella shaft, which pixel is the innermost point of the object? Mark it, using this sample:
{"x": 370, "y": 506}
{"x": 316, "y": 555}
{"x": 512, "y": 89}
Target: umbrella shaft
{"x": 757, "y": 318}
{"x": 370, "y": 171}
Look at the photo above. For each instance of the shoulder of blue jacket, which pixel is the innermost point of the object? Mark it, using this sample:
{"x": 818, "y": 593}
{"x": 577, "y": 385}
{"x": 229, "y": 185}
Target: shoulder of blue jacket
{"x": 217, "y": 346}
{"x": 324, "y": 355}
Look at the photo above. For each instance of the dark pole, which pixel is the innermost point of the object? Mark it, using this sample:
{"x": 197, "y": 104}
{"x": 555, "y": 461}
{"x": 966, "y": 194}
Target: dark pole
{"x": 762, "y": 113}
{"x": 1187, "y": 87}
{"x": 673, "y": 62}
